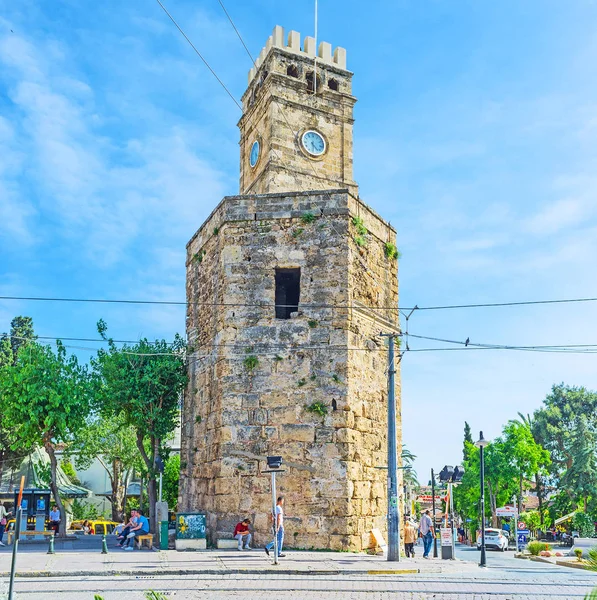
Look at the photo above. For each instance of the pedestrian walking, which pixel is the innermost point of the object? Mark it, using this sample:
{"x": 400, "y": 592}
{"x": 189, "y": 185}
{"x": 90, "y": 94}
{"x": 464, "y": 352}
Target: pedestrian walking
{"x": 427, "y": 533}
{"x": 410, "y": 537}
{"x": 3, "y": 521}
{"x": 243, "y": 535}
{"x": 278, "y": 521}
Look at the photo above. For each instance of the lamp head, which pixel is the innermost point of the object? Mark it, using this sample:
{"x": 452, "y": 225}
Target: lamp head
{"x": 481, "y": 442}
{"x": 274, "y": 462}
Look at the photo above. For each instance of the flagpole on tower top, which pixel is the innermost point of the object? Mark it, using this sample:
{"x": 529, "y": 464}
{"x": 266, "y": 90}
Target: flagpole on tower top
{"x": 315, "y": 62}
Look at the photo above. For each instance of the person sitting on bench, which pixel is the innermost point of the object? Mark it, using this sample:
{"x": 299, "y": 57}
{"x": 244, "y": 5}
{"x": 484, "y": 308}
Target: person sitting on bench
{"x": 141, "y": 528}
{"x": 127, "y": 528}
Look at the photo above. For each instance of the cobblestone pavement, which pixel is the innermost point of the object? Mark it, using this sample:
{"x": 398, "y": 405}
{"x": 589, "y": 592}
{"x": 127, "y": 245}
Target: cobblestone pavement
{"x": 486, "y": 585}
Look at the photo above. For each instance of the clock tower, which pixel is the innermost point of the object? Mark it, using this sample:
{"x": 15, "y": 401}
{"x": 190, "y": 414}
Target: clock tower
{"x": 296, "y": 130}
{"x": 289, "y": 284}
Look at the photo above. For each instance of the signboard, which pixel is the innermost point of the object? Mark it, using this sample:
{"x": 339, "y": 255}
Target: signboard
{"x": 190, "y": 526}
{"x": 506, "y": 511}
{"x": 521, "y": 525}
{"x": 379, "y": 540}
{"x": 446, "y": 536}
{"x": 522, "y": 536}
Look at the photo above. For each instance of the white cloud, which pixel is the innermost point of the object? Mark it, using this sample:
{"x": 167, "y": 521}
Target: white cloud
{"x": 77, "y": 170}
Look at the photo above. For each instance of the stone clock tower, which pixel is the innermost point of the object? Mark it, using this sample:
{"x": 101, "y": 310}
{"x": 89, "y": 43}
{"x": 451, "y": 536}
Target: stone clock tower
{"x": 288, "y": 286}
{"x": 296, "y": 131}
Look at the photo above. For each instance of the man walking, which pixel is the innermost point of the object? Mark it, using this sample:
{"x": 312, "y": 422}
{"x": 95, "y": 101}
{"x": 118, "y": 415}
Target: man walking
{"x": 427, "y": 533}
{"x": 278, "y": 519}
{"x": 141, "y": 528}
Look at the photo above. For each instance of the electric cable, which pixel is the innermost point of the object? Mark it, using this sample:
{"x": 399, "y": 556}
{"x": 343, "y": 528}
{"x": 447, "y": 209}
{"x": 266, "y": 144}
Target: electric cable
{"x": 200, "y": 56}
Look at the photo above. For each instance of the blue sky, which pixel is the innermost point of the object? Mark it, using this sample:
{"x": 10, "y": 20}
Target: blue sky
{"x": 475, "y": 136}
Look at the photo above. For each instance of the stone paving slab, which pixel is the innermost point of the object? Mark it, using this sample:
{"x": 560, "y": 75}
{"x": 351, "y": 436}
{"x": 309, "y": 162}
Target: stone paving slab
{"x": 151, "y": 562}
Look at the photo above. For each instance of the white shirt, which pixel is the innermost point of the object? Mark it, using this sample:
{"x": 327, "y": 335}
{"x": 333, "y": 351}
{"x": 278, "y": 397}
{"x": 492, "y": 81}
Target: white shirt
{"x": 425, "y": 524}
{"x": 3, "y": 512}
{"x": 280, "y": 518}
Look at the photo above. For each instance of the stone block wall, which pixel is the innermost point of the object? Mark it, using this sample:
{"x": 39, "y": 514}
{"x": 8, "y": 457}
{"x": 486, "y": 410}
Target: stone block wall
{"x": 258, "y": 385}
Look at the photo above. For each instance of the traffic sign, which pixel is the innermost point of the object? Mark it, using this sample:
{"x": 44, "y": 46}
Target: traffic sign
{"x": 521, "y": 525}
{"x": 522, "y": 535}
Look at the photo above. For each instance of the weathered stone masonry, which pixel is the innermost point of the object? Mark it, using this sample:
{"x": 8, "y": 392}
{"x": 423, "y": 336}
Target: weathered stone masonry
{"x": 313, "y": 387}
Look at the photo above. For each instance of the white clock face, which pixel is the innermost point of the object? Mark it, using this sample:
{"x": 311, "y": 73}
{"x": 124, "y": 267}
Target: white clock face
{"x": 254, "y": 155}
{"x": 313, "y": 142}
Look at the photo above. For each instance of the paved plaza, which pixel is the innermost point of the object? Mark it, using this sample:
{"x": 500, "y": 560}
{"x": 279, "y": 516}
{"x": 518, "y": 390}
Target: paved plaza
{"x": 77, "y": 572}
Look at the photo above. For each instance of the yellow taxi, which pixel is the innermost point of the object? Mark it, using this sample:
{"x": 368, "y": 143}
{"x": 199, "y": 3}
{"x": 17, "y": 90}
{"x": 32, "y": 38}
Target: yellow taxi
{"x": 96, "y": 526}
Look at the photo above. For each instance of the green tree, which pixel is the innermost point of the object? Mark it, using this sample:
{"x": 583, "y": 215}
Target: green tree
{"x": 21, "y": 333}
{"x": 526, "y": 458}
{"x": 567, "y": 428}
{"x": 170, "y": 482}
{"x": 113, "y": 443}
{"x": 468, "y": 439}
{"x": 143, "y": 383}
{"x": 44, "y": 398}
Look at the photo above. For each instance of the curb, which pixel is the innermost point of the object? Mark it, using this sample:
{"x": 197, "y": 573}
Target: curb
{"x": 263, "y": 571}
{"x": 572, "y": 565}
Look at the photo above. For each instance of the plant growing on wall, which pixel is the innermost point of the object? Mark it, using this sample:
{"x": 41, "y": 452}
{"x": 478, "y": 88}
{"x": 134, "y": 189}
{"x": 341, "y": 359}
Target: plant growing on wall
{"x": 391, "y": 251}
{"x": 297, "y": 232}
{"x": 251, "y": 362}
{"x": 318, "y": 408}
{"x": 307, "y": 217}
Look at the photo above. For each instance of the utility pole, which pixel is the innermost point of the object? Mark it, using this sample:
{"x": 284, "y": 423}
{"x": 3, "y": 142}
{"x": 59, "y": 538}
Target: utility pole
{"x": 393, "y": 510}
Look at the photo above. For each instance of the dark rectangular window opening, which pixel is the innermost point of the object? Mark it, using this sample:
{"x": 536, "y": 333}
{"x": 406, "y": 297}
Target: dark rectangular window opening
{"x": 288, "y": 291}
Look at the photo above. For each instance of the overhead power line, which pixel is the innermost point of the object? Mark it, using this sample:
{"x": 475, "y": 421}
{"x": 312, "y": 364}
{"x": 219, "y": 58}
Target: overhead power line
{"x": 301, "y": 306}
{"x": 200, "y": 56}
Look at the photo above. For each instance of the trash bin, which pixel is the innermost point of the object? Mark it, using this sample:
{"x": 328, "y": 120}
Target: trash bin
{"x": 163, "y": 535}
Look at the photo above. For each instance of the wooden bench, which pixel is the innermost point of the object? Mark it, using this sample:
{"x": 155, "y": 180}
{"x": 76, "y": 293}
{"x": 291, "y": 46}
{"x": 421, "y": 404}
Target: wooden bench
{"x": 10, "y": 534}
{"x": 140, "y": 539}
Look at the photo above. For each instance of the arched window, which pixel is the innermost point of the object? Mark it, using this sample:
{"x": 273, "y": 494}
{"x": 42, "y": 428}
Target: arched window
{"x": 292, "y": 70}
{"x": 309, "y": 79}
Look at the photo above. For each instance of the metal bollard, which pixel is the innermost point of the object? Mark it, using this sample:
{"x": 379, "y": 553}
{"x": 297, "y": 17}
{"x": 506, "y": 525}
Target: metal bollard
{"x": 104, "y": 545}
{"x": 51, "y": 546}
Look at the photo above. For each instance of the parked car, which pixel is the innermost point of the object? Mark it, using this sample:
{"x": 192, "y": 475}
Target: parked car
{"x": 99, "y": 527}
{"x": 494, "y": 538}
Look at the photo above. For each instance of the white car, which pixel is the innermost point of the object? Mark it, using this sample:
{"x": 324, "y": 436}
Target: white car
{"x": 494, "y": 538}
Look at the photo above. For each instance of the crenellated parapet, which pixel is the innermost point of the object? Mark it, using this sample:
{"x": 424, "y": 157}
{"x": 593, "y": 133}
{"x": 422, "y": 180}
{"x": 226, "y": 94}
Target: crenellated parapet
{"x": 292, "y": 43}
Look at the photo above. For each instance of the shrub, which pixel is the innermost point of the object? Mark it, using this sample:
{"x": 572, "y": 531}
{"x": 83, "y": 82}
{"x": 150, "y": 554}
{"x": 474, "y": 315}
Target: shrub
{"x": 536, "y": 547}
{"x": 578, "y": 553}
{"x": 307, "y": 218}
{"x": 360, "y": 241}
{"x": 297, "y": 232}
{"x": 592, "y": 560}
{"x": 312, "y": 323}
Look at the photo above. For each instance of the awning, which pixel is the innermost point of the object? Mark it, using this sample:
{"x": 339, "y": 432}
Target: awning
{"x": 133, "y": 489}
{"x": 30, "y": 467}
{"x": 564, "y": 518}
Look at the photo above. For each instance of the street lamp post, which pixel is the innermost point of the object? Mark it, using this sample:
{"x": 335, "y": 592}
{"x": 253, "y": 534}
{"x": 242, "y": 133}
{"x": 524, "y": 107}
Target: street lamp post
{"x": 433, "y": 502}
{"x": 481, "y": 443}
{"x": 274, "y": 464}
